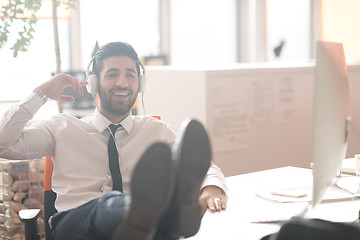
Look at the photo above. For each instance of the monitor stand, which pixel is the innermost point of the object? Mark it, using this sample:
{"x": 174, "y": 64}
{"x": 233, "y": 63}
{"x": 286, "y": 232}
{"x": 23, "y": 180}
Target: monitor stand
{"x": 355, "y": 130}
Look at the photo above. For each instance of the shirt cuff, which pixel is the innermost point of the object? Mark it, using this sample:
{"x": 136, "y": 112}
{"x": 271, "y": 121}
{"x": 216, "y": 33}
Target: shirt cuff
{"x": 32, "y": 103}
{"x": 218, "y": 183}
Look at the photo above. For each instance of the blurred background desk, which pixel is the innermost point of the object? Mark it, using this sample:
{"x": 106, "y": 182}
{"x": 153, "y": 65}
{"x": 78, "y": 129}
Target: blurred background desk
{"x": 244, "y": 206}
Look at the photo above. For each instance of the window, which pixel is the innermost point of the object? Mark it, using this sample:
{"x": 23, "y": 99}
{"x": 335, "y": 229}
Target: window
{"x": 288, "y": 21}
{"x": 339, "y": 23}
{"x": 203, "y": 32}
{"x": 132, "y": 21}
{"x": 29, "y": 69}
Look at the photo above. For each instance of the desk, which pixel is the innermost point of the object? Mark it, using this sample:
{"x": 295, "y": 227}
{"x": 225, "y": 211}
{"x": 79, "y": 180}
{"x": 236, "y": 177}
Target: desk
{"x": 244, "y": 205}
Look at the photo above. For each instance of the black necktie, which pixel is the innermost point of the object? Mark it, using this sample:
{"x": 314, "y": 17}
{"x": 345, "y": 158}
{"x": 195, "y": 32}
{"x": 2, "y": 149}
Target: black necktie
{"x": 114, "y": 159}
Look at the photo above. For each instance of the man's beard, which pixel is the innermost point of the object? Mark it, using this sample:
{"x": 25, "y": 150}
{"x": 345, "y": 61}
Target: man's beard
{"x": 115, "y": 107}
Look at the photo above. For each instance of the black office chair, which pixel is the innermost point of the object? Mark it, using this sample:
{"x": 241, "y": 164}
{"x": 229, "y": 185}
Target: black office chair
{"x": 30, "y": 216}
{"x": 315, "y": 229}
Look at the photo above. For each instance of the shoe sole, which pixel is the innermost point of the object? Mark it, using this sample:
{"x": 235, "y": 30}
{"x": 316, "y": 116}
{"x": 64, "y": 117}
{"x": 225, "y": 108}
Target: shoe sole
{"x": 151, "y": 190}
{"x": 193, "y": 158}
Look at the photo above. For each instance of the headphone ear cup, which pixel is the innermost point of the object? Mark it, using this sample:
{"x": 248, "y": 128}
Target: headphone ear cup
{"x": 92, "y": 86}
{"x": 142, "y": 83}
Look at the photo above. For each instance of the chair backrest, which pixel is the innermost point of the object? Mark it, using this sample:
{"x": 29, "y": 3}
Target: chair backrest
{"x": 49, "y": 195}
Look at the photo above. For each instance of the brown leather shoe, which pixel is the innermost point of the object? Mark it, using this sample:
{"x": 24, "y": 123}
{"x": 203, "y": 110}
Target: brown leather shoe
{"x": 152, "y": 186}
{"x": 192, "y": 156}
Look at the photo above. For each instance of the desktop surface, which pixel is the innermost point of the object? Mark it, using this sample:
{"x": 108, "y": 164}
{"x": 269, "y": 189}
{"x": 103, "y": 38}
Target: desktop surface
{"x": 245, "y": 207}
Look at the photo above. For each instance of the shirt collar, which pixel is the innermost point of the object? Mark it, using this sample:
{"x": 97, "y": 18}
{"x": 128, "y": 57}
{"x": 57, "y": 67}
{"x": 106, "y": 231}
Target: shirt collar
{"x": 101, "y": 122}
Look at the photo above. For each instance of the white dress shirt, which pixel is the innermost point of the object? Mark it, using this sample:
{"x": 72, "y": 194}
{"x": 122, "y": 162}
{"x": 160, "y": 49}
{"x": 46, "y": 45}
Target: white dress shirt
{"x": 79, "y": 149}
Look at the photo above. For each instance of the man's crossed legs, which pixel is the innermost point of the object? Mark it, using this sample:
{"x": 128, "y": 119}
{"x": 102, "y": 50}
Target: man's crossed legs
{"x": 172, "y": 207}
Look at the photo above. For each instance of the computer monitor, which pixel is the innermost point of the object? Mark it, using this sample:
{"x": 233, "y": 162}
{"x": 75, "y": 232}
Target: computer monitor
{"x": 331, "y": 111}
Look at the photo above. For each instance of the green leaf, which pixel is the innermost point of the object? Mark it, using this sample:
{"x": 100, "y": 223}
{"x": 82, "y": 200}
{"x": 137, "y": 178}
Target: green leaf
{"x": 28, "y": 4}
{"x": 34, "y": 17}
{"x": 3, "y": 39}
{"x": 11, "y": 11}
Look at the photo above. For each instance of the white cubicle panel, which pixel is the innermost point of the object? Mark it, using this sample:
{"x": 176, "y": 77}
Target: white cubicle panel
{"x": 258, "y": 116}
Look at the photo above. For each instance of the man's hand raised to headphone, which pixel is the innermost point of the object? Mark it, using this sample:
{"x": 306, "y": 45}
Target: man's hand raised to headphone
{"x": 54, "y": 88}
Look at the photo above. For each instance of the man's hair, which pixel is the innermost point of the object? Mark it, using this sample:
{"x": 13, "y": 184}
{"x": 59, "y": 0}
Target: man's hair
{"x": 113, "y": 49}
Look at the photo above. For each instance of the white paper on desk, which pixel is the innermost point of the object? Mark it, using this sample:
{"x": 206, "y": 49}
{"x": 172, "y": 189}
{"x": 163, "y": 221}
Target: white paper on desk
{"x": 349, "y": 183}
{"x": 332, "y": 194}
{"x": 348, "y": 166}
{"x": 278, "y": 212}
{"x": 267, "y": 195}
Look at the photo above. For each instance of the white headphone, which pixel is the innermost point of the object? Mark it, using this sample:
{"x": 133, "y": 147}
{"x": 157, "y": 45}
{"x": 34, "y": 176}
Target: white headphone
{"x": 93, "y": 82}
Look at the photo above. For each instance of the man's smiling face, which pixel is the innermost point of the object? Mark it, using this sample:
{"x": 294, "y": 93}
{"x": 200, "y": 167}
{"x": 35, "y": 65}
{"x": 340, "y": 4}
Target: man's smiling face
{"x": 119, "y": 86}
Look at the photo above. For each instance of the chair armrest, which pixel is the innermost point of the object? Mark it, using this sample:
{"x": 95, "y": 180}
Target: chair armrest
{"x": 29, "y": 217}
{"x": 26, "y": 215}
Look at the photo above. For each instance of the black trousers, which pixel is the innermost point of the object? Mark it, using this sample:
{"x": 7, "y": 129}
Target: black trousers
{"x": 96, "y": 219}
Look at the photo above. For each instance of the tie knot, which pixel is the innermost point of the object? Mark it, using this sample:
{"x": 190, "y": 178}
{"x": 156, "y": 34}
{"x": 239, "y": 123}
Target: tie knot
{"x": 114, "y": 127}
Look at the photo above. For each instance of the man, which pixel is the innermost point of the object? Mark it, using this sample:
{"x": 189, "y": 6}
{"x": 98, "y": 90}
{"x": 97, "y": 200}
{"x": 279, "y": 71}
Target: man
{"x": 92, "y": 198}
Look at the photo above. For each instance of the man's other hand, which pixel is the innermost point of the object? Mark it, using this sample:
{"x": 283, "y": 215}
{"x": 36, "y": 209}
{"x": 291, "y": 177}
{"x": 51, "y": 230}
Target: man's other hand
{"x": 213, "y": 198}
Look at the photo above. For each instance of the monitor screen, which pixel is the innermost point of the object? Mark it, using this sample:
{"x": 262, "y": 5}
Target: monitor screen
{"x": 331, "y": 110}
